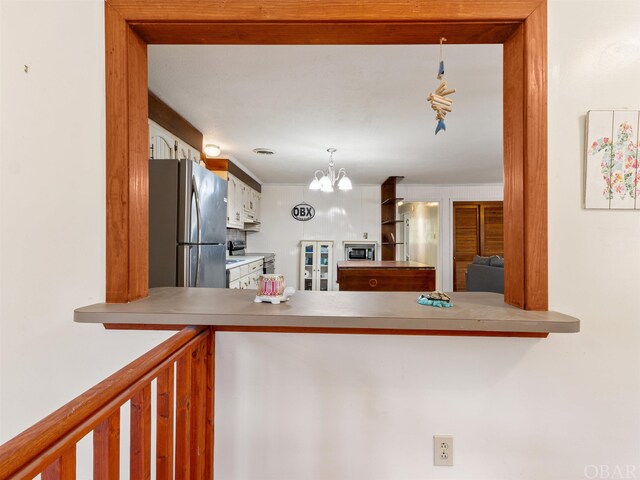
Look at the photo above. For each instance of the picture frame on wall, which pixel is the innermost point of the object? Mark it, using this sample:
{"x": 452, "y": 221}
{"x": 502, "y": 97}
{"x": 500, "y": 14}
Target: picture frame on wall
{"x": 612, "y": 176}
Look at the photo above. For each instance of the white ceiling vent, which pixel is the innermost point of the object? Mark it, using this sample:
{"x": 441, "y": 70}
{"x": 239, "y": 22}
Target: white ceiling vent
{"x": 263, "y": 151}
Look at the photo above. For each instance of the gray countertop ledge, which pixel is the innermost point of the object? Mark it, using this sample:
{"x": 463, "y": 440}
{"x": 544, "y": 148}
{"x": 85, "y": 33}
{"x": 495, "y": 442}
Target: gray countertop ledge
{"x": 472, "y": 311}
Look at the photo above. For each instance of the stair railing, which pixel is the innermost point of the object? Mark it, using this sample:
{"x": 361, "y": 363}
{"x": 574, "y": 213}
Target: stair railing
{"x": 183, "y": 367}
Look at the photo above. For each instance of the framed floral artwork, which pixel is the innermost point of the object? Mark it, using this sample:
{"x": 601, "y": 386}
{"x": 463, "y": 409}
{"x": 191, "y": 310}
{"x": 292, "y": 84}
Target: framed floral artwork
{"x": 612, "y": 174}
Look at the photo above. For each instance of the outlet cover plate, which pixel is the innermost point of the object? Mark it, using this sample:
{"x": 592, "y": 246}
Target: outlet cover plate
{"x": 443, "y": 450}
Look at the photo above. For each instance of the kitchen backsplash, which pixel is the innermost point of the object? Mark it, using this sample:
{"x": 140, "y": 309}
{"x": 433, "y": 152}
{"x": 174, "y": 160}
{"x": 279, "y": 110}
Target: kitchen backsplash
{"x": 235, "y": 234}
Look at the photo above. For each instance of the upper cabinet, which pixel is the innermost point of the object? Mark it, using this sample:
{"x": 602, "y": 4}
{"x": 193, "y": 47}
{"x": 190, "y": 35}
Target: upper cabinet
{"x": 164, "y": 145}
{"x": 234, "y": 202}
{"x": 243, "y": 204}
{"x": 187, "y": 152}
{"x": 243, "y": 194}
{"x": 161, "y": 143}
{"x": 254, "y": 206}
{"x": 170, "y": 134}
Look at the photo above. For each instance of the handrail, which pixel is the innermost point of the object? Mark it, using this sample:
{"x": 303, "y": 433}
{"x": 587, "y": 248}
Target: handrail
{"x": 45, "y": 443}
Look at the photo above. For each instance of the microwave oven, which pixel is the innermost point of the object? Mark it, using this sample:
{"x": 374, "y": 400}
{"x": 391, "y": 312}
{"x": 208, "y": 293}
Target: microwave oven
{"x": 360, "y": 252}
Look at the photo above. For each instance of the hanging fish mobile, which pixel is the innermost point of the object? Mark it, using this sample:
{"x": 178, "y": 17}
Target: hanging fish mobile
{"x": 438, "y": 99}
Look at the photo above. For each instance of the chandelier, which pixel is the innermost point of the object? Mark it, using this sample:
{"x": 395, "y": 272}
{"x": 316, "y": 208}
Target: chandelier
{"x": 326, "y": 181}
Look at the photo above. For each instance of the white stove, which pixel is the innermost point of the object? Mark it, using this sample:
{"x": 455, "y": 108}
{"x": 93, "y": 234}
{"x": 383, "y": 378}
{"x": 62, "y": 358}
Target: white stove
{"x": 237, "y": 248}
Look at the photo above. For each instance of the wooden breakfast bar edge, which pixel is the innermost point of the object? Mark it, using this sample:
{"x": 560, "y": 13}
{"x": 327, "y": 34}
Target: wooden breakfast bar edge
{"x": 378, "y": 313}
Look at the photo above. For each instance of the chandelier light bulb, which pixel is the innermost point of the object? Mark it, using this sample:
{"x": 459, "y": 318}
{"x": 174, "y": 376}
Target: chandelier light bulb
{"x": 345, "y": 183}
{"x": 325, "y": 182}
{"x": 315, "y": 184}
{"x": 327, "y": 188}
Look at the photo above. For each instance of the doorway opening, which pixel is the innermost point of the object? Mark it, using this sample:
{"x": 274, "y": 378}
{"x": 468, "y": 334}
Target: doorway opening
{"x": 520, "y": 26}
{"x": 420, "y": 235}
{"x": 478, "y": 247}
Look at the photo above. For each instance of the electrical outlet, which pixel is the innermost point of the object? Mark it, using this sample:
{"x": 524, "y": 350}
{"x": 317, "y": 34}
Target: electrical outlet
{"x": 443, "y": 450}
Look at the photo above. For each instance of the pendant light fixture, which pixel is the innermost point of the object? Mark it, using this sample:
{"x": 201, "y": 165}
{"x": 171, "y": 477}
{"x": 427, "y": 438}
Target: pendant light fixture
{"x": 326, "y": 181}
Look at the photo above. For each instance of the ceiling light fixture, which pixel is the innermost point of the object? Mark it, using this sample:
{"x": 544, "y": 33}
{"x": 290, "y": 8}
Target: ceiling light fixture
{"x": 326, "y": 181}
{"x": 211, "y": 150}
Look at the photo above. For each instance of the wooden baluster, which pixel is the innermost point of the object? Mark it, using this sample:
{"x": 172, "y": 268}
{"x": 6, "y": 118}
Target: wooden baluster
{"x": 164, "y": 425}
{"x": 198, "y": 413}
{"x": 140, "y": 467}
{"x": 183, "y": 416}
{"x": 209, "y": 404}
{"x": 63, "y": 467}
{"x": 106, "y": 448}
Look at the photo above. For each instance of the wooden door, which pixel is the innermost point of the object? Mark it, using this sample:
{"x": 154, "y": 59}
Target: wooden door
{"x": 477, "y": 230}
{"x": 491, "y": 229}
{"x": 466, "y": 241}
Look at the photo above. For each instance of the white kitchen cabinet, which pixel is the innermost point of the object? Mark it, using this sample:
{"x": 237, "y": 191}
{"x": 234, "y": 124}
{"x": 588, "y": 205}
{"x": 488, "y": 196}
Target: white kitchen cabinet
{"x": 316, "y": 265}
{"x": 162, "y": 144}
{"x": 243, "y": 204}
{"x": 246, "y": 276}
{"x": 248, "y": 204}
{"x": 258, "y": 202}
{"x": 186, "y": 151}
{"x": 234, "y": 202}
{"x": 245, "y": 199}
{"x": 254, "y": 280}
{"x": 252, "y": 210}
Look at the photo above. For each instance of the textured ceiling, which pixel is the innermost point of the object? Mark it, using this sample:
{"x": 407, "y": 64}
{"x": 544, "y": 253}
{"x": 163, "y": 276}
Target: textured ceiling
{"x": 368, "y": 102}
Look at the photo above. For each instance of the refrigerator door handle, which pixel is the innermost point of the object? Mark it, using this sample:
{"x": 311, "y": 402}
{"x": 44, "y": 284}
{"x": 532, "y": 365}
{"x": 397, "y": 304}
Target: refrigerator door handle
{"x": 196, "y": 282}
{"x": 196, "y": 193}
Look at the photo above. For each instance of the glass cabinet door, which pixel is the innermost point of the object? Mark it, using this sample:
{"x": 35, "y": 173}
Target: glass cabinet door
{"x": 308, "y": 266}
{"x": 316, "y": 266}
{"x": 324, "y": 266}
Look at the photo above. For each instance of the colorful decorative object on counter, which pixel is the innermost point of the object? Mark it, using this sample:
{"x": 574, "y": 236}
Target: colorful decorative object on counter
{"x": 271, "y": 288}
{"x": 439, "y": 103}
{"x": 435, "y": 299}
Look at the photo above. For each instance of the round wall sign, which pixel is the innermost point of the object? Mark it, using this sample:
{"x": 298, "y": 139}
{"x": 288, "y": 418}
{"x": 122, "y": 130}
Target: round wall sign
{"x": 303, "y": 212}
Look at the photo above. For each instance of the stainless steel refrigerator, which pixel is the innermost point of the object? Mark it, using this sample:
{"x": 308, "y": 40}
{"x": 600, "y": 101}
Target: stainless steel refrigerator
{"x": 187, "y": 225}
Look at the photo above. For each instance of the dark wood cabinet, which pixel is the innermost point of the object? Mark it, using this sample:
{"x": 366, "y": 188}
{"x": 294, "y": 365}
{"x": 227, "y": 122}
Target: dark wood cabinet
{"x": 388, "y": 210}
{"x": 386, "y": 276}
{"x": 478, "y": 229}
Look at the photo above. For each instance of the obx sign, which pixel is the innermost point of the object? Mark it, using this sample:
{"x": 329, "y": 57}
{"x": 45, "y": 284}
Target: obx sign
{"x": 303, "y": 212}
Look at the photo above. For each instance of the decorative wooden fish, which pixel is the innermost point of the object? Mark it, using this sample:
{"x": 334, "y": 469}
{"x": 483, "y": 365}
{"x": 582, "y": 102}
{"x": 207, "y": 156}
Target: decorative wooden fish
{"x": 439, "y": 103}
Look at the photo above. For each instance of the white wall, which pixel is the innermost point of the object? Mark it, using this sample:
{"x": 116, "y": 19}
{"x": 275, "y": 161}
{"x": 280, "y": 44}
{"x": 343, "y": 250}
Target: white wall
{"x": 341, "y": 215}
{"x": 322, "y": 406}
{"x": 52, "y": 210}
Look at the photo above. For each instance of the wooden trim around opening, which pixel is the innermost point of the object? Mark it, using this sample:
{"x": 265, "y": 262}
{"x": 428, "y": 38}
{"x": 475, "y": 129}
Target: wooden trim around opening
{"x": 127, "y": 161}
{"x": 525, "y": 163}
{"x": 520, "y": 24}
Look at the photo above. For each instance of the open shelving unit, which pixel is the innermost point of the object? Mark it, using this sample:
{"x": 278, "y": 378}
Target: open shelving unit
{"x": 388, "y": 220}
